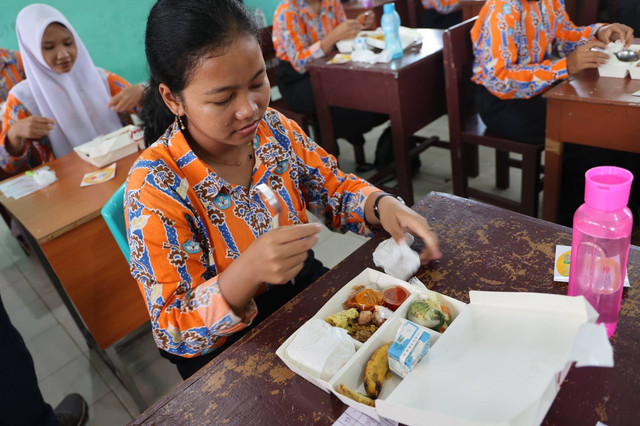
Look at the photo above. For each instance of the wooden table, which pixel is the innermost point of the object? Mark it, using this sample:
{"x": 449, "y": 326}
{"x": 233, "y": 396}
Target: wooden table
{"x": 410, "y": 90}
{"x": 66, "y": 231}
{"x": 407, "y": 9}
{"x": 587, "y": 110}
{"x": 484, "y": 248}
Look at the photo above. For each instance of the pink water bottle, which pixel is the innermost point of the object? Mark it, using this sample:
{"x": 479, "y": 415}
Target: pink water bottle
{"x": 600, "y": 244}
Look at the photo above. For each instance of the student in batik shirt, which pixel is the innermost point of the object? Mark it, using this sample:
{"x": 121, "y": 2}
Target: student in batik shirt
{"x": 441, "y": 13}
{"x": 205, "y": 250}
{"x": 304, "y": 30}
{"x": 11, "y": 72}
{"x": 522, "y": 48}
{"x": 65, "y": 101}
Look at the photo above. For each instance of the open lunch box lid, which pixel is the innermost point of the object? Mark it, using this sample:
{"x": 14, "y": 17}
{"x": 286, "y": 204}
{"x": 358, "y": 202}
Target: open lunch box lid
{"x": 500, "y": 362}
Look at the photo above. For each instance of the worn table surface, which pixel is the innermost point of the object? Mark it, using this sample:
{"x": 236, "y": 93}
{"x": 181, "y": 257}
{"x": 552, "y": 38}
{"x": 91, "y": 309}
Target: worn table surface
{"x": 588, "y": 110}
{"x": 410, "y": 90}
{"x": 484, "y": 248}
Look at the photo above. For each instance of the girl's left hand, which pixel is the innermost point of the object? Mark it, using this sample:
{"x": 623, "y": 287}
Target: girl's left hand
{"x": 613, "y": 32}
{"x": 396, "y": 218}
{"x": 127, "y": 99}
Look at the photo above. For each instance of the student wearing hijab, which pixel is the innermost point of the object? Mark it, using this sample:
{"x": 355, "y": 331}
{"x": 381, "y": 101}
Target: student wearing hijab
{"x": 65, "y": 101}
{"x": 209, "y": 254}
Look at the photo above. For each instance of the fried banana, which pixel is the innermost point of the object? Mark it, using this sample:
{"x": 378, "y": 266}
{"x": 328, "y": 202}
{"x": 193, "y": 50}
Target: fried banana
{"x": 376, "y": 371}
{"x": 356, "y": 396}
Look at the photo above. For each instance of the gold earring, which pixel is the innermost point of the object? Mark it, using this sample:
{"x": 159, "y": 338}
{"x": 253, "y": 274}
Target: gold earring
{"x": 180, "y": 122}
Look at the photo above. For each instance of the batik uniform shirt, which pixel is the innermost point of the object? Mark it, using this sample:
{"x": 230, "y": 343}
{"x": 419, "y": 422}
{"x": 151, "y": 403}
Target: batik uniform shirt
{"x": 11, "y": 72}
{"x": 298, "y": 30}
{"x": 186, "y": 225}
{"x": 442, "y": 6}
{"x": 38, "y": 151}
{"x": 520, "y": 47}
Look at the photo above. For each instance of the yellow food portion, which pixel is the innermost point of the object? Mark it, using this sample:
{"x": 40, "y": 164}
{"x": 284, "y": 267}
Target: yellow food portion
{"x": 341, "y": 319}
{"x": 376, "y": 371}
{"x": 356, "y": 396}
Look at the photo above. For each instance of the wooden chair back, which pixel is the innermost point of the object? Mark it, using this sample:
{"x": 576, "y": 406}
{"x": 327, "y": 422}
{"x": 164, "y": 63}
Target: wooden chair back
{"x": 458, "y": 69}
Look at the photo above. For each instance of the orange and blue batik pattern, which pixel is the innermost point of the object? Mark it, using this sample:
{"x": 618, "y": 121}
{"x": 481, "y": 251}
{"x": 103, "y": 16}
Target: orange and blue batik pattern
{"x": 186, "y": 225}
{"x": 520, "y": 47}
{"x": 298, "y": 30}
{"x": 441, "y": 6}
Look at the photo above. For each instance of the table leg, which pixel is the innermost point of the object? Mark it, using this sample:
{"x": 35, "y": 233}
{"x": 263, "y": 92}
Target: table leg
{"x": 413, "y": 13}
{"x": 552, "y": 179}
{"x": 401, "y": 156}
{"x": 323, "y": 111}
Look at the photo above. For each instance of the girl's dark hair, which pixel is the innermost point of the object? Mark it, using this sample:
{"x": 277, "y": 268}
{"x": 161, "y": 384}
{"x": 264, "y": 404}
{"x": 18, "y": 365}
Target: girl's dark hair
{"x": 179, "y": 34}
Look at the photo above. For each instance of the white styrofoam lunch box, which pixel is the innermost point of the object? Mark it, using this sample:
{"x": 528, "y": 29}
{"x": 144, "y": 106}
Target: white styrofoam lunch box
{"x": 111, "y": 147}
{"x": 500, "y": 362}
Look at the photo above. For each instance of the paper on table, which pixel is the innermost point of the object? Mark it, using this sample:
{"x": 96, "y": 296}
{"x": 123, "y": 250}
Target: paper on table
{"x": 21, "y": 186}
{"x": 99, "y": 176}
{"x": 562, "y": 264}
{"x": 353, "y": 417}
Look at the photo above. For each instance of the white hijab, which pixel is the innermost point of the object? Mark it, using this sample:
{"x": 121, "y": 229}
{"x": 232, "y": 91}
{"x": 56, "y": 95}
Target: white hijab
{"x": 76, "y": 100}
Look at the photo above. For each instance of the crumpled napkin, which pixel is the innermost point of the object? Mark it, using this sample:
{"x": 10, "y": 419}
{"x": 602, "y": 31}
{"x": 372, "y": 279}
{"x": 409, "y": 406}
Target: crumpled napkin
{"x": 369, "y": 57}
{"x": 397, "y": 260}
{"x": 320, "y": 349}
{"x": 44, "y": 176}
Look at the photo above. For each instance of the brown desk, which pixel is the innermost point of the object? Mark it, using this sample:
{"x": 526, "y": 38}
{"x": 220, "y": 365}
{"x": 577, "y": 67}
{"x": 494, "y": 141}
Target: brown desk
{"x": 68, "y": 234}
{"x": 484, "y": 248}
{"x": 407, "y": 9}
{"x": 587, "y": 110}
{"x": 471, "y": 8}
{"x": 410, "y": 90}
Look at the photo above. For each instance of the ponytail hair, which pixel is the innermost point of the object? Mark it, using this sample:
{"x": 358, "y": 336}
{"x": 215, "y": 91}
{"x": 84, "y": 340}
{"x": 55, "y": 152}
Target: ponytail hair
{"x": 180, "y": 33}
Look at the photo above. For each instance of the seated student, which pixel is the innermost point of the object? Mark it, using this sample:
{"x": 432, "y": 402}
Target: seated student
{"x": 441, "y": 13}
{"x": 65, "y": 100}
{"x": 304, "y": 30}
{"x": 203, "y": 243}
{"x": 522, "y": 48}
{"x": 11, "y": 73}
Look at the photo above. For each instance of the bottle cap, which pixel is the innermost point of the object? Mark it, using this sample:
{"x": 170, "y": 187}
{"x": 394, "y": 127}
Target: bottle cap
{"x": 607, "y": 187}
{"x": 389, "y": 7}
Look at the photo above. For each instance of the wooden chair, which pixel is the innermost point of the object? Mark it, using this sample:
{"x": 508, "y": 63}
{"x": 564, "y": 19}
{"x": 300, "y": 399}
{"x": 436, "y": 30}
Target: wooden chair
{"x": 306, "y": 121}
{"x": 467, "y": 131}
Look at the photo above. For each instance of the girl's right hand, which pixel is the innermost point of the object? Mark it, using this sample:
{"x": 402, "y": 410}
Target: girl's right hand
{"x": 346, "y": 30}
{"x": 278, "y": 255}
{"x": 32, "y": 127}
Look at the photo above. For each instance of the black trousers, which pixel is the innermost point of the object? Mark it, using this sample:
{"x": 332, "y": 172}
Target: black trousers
{"x": 275, "y": 297}
{"x": 431, "y": 18}
{"x": 21, "y": 402}
{"x": 525, "y": 120}
{"x": 349, "y": 124}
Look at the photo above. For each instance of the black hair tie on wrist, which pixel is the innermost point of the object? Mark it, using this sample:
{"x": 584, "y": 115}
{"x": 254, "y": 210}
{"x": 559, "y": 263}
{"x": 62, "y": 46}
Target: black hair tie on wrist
{"x": 376, "y": 213}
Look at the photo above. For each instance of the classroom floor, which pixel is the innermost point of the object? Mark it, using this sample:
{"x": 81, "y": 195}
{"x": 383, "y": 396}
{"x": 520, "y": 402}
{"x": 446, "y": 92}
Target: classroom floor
{"x": 63, "y": 361}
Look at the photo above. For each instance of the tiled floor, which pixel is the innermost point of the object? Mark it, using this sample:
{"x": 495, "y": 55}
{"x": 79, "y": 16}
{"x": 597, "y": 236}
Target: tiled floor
{"x": 63, "y": 362}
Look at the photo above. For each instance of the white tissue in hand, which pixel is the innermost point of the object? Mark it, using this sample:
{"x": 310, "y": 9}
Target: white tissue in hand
{"x": 44, "y": 177}
{"x": 320, "y": 349}
{"x": 397, "y": 260}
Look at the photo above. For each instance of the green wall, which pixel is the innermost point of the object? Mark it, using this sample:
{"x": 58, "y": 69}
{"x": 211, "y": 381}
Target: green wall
{"x": 112, "y": 30}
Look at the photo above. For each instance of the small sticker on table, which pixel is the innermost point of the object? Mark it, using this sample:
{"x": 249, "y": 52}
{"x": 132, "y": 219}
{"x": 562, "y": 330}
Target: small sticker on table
{"x": 562, "y": 265}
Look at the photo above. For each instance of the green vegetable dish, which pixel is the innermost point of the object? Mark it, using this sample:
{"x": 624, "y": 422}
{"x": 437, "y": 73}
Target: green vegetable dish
{"x": 429, "y": 313}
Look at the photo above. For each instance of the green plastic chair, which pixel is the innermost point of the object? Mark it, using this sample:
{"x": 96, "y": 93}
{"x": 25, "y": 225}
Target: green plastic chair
{"x": 113, "y": 214}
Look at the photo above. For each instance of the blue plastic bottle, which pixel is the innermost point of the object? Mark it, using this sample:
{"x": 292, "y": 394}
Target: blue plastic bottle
{"x": 390, "y": 23}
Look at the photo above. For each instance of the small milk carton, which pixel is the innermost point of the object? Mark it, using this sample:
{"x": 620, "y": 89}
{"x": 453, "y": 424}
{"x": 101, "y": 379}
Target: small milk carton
{"x": 411, "y": 343}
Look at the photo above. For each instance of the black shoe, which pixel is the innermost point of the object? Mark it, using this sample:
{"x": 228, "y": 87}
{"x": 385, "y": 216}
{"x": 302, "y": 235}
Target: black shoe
{"x": 72, "y": 411}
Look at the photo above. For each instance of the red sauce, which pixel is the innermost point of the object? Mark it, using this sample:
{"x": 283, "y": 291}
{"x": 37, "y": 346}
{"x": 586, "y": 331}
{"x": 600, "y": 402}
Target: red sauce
{"x": 394, "y": 296}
